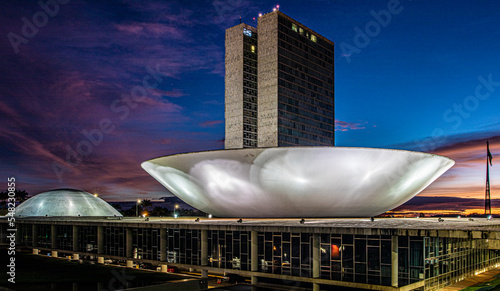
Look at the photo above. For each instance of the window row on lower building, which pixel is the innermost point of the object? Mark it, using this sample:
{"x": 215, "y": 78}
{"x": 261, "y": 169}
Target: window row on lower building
{"x": 344, "y": 257}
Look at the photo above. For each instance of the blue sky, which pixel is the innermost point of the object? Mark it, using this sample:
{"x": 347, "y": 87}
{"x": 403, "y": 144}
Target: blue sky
{"x": 410, "y": 83}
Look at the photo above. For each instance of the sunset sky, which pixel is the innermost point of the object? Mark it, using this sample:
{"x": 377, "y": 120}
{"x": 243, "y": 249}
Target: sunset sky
{"x": 416, "y": 75}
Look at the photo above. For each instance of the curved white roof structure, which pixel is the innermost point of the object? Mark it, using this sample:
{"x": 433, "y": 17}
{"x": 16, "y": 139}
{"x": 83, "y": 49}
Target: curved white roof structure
{"x": 297, "y": 181}
{"x": 64, "y": 203}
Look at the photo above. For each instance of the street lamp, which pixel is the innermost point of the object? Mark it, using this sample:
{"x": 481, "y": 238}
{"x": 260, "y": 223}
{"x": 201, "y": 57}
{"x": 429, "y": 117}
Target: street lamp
{"x": 176, "y": 206}
{"x": 137, "y": 208}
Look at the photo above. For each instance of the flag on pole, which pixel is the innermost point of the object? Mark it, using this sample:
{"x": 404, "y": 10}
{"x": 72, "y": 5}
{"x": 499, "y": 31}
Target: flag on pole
{"x": 490, "y": 157}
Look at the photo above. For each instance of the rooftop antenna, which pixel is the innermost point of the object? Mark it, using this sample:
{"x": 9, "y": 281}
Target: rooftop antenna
{"x": 240, "y": 14}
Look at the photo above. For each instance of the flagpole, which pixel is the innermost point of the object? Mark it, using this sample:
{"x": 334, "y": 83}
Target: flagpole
{"x": 487, "y": 200}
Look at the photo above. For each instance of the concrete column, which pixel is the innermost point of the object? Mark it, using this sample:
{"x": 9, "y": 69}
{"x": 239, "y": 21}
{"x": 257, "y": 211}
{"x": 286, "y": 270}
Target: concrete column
{"x": 53, "y": 254}
{"x": 316, "y": 260}
{"x": 394, "y": 261}
{"x": 34, "y": 235}
{"x": 204, "y": 252}
{"x": 204, "y": 274}
{"x": 164, "y": 268}
{"x": 53, "y": 236}
{"x": 100, "y": 260}
{"x": 128, "y": 244}
{"x": 254, "y": 282}
{"x": 76, "y": 256}
{"x": 130, "y": 263}
{"x": 204, "y": 247}
{"x": 316, "y": 255}
{"x": 163, "y": 244}
{"x": 35, "y": 251}
{"x": 100, "y": 239}
{"x": 76, "y": 238}
{"x": 254, "y": 251}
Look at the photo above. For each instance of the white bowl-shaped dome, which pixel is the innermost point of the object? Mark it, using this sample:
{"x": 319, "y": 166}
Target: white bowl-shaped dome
{"x": 298, "y": 181}
{"x": 64, "y": 203}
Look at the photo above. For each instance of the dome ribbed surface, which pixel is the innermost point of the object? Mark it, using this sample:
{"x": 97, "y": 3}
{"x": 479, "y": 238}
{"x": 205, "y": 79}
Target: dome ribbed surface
{"x": 65, "y": 203}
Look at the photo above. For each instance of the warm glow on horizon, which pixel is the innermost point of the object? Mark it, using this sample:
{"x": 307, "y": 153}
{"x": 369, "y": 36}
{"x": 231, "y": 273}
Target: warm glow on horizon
{"x": 467, "y": 178}
{"x": 465, "y": 212}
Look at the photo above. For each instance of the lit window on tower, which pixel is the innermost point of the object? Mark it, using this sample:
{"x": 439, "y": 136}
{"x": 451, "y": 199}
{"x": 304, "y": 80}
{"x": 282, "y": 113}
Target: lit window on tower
{"x": 253, "y": 49}
{"x": 313, "y": 38}
{"x": 294, "y": 27}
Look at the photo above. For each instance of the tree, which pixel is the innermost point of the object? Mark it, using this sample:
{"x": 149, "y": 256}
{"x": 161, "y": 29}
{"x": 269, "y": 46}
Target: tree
{"x": 19, "y": 195}
{"x": 146, "y": 203}
{"x": 4, "y": 195}
{"x": 117, "y": 207}
{"x": 132, "y": 211}
{"x": 160, "y": 211}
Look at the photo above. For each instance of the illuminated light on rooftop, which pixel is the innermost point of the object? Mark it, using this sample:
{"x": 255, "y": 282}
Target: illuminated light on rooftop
{"x": 299, "y": 181}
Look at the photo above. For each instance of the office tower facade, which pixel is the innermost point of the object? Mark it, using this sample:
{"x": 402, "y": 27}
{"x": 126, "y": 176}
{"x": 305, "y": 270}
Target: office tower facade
{"x": 295, "y": 85}
{"x": 241, "y": 87}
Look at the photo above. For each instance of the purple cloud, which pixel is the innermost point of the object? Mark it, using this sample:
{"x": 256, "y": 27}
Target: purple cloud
{"x": 211, "y": 123}
{"x": 346, "y": 126}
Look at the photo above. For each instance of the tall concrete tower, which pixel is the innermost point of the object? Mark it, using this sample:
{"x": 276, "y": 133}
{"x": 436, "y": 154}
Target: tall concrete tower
{"x": 241, "y": 87}
{"x": 294, "y": 80}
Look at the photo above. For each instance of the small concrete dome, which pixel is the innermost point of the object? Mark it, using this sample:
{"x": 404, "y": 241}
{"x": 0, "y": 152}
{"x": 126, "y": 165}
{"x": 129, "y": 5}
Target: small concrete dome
{"x": 64, "y": 203}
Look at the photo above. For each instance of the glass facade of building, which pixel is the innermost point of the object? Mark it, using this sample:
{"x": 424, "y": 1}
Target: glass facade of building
{"x": 183, "y": 246}
{"x": 64, "y": 237}
{"x": 249, "y": 88}
{"x": 87, "y": 237}
{"x": 44, "y": 236}
{"x": 287, "y": 83}
{"x": 437, "y": 261}
{"x": 229, "y": 249}
{"x": 449, "y": 260}
{"x": 114, "y": 241}
{"x": 305, "y": 87}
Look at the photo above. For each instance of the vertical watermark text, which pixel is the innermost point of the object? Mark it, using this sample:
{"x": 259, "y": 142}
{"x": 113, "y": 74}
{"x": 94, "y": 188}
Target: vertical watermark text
{"x": 11, "y": 229}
